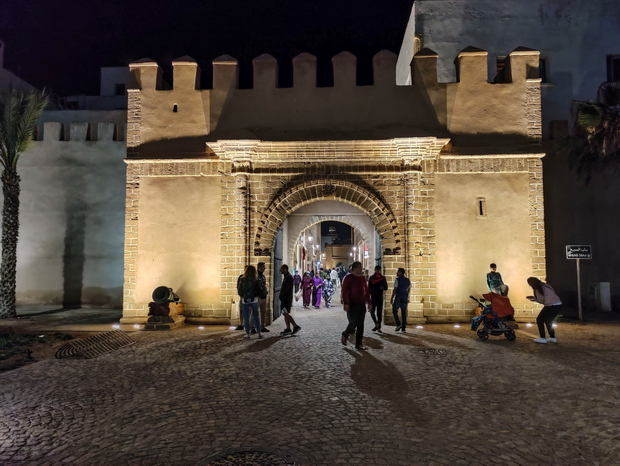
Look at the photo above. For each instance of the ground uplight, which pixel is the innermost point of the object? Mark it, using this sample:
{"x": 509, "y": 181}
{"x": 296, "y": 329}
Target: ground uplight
{"x": 116, "y": 326}
{"x": 418, "y": 326}
{"x": 201, "y": 328}
{"x": 457, "y": 326}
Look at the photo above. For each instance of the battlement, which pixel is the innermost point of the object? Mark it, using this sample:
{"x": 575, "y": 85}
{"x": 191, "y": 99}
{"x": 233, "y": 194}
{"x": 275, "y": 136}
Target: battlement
{"x": 79, "y": 131}
{"x": 473, "y": 110}
{"x": 82, "y": 125}
{"x": 471, "y": 65}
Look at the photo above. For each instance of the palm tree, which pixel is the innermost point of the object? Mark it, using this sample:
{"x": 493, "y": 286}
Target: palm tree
{"x": 594, "y": 146}
{"x": 19, "y": 114}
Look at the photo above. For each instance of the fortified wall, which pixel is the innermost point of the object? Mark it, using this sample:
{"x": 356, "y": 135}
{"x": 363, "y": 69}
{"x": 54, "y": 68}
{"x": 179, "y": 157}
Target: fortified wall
{"x": 72, "y": 211}
{"x": 449, "y": 174}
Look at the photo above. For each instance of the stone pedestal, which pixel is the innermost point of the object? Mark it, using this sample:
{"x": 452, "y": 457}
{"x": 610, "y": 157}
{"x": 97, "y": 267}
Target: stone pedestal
{"x": 174, "y": 319}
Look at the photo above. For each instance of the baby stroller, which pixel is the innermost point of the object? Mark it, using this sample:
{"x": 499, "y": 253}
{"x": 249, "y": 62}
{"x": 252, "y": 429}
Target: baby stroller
{"x": 491, "y": 319}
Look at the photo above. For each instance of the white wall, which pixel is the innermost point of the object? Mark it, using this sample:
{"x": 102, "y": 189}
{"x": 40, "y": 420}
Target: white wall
{"x": 72, "y": 215}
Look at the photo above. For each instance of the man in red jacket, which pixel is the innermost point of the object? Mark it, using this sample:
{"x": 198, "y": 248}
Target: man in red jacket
{"x": 355, "y": 297}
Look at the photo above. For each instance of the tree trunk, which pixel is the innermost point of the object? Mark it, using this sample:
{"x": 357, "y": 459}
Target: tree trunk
{"x": 10, "y": 232}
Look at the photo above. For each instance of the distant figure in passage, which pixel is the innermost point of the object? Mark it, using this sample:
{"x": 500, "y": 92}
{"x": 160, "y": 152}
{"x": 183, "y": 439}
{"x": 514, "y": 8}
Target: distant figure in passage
{"x": 355, "y": 297}
{"x": 317, "y": 291}
{"x": 495, "y": 282}
{"x": 296, "y": 281}
{"x": 544, "y": 294}
{"x": 333, "y": 275}
{"x": 400, "y": 299}
{"x": 286, "y": 301}
{"x": 328, "y": 291}
{"x": 306, "y": 288}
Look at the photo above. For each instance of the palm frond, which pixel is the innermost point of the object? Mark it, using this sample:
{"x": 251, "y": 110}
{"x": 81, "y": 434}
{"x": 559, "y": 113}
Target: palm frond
{"x": 594, "y": 146}
{"x": 19, "y": 114}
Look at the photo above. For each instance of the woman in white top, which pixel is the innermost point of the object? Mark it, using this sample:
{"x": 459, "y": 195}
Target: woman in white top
{"x": 545, "y": 295}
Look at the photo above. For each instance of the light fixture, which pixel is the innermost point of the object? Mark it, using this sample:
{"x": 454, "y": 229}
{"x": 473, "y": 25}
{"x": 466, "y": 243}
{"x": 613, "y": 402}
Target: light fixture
{"x": 528, "y": 325}
{"x": 201, "y": 328}
{"x": 116, "y": 326}
{"x": 136, "y": 326}
{"x": 418, "y": 326}
{"x": 310, "y": 238}
{"x": 555, "y": 325}
{"x": 457, "y": 326}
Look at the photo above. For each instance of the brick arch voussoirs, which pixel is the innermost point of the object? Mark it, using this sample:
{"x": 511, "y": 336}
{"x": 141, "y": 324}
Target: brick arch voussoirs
{"x": 318, "y": 190}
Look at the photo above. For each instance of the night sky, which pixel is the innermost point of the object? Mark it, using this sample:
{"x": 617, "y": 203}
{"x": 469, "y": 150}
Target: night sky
{"x": 62, "y": 44}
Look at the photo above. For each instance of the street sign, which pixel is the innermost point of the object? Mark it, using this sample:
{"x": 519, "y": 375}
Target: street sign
{"x": 579, "y": 251}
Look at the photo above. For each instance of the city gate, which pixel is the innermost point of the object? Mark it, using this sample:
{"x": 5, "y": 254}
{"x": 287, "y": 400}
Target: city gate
{"x": 449, "y": 173}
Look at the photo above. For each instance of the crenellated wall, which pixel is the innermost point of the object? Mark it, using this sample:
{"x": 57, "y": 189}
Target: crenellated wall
{"x": 472, "y": 110}
{"x": 72, "y": 211}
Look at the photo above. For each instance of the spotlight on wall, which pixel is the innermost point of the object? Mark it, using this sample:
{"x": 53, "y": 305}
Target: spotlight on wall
{"x": 165, "y": 295}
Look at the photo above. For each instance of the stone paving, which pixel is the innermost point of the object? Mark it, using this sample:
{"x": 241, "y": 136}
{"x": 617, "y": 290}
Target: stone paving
{"x": 435, "y": 396}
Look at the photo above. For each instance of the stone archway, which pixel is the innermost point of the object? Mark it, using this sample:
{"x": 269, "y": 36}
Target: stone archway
{"x": 314, "y": 219}
{"x": 299, "y": 195}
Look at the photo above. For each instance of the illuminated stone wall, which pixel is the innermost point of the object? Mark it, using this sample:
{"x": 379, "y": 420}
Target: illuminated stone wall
{"x": 385, "y": 149}
{"x": 72, "y": 211}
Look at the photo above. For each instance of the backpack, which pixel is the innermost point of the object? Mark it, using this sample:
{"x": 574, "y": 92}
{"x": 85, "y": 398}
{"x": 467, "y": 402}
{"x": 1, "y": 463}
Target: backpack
{"x": 246, "y": 288}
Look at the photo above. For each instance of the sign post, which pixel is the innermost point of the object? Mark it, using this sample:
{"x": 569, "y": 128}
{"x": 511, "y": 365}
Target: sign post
{"x": 578, "y": 252}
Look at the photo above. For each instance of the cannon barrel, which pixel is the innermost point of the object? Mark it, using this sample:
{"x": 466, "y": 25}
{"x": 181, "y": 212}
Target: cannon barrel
{"x": 164, "y": 295}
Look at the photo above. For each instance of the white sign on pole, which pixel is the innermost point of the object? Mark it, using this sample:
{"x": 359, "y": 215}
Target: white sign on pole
{"x": 579, "y": 251}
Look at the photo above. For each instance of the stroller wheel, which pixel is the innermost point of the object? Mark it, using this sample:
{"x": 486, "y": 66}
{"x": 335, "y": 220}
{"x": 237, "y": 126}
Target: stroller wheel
{"x": 483, "y": 334}
{"x": 510, "y": 336}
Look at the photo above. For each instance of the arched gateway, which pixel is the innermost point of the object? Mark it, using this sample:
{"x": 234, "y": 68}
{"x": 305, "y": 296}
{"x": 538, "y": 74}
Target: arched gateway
{"x": 450, "y": 179}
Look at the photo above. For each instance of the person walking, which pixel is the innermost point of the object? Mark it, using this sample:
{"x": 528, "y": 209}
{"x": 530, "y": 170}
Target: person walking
{"x": 262, "y": 301}
{"x": 355, "y": 297}
{"x": 296, "y": 281}
{"x": 333, "y": 275}
{"x": 317, "y": 291}
{"x": 286, "y": 301}
{"x": 306, "y": 289}
{"x": 377, "y": 284}
{"x": 249, "y": 290}
{"x": 552, "y": 305}
{"x": 495, "y": 283}
{"x": 328, "y": 291}
{"x": 400, "y": 299}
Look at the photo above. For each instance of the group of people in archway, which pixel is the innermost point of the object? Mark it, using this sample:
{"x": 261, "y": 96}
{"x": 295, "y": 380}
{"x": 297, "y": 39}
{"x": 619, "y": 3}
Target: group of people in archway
{"x": 313, "y": 287}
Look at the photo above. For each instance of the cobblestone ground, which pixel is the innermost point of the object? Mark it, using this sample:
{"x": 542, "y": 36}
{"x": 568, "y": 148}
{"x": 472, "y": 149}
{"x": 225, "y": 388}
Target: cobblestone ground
{"x": 435, "y": 396}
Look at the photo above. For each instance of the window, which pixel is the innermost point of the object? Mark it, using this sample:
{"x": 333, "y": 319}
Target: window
{"x": 481, "y": 207}
{"x": 613, "y": 68}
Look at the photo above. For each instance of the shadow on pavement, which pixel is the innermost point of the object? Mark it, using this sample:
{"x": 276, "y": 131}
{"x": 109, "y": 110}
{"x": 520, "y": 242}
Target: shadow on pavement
{"x": 382, "y": 380}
